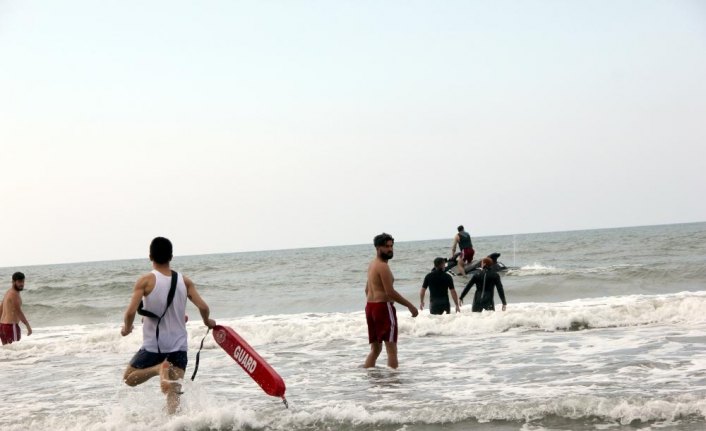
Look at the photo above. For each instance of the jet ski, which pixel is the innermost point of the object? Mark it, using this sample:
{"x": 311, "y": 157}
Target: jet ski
{"x": 474, "y": 265}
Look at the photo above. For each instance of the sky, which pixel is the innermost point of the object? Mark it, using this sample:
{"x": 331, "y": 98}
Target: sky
{"x": 233, "y": 126}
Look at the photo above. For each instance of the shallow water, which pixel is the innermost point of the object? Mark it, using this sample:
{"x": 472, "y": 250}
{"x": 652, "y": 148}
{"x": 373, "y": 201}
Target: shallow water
{"x": 603, "y": 331}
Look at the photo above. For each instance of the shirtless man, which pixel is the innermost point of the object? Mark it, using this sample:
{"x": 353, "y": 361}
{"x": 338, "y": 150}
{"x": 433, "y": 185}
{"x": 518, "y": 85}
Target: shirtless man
{"x": 380, "y": 310}
{"x": 11, "y": 311}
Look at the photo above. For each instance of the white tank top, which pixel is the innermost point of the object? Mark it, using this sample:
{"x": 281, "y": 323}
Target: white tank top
{"x": 172, "y": 328}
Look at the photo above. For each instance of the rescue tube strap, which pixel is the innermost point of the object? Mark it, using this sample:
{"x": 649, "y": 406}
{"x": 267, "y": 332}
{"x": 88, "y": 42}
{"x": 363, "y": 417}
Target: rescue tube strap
{"x": 198, "y": 354}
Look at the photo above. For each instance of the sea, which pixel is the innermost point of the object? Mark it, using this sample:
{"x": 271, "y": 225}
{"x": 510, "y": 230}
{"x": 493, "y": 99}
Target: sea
{"x": 604, "y": 330}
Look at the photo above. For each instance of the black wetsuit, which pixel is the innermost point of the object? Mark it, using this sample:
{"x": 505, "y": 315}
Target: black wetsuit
{"x": 486, "y": 281}
{"x": 439, "y": 283}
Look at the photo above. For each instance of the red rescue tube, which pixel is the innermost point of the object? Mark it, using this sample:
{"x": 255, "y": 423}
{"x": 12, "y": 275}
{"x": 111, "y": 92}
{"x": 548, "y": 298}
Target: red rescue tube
{"x": 248, "y": 359}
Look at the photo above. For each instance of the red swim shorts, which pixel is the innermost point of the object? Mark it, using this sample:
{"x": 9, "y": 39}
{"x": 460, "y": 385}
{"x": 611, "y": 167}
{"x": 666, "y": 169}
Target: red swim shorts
{"x": 382, "y": 322}
{"x": 467, "y": 254}
{"x": 10, "y": 332}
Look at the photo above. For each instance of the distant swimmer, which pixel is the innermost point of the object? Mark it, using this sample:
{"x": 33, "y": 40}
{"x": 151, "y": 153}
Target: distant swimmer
{"x": 164, "y": 346}
{"x": 486, "y": 281}
{"x": 380, "y": 309}
{"x": 463, "y": 240}
{"x": 440, "y": 284}
{"x": 11, "y": 311}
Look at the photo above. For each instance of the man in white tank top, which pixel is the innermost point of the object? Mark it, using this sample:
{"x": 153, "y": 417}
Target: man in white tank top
{"x": 162, "y": 353}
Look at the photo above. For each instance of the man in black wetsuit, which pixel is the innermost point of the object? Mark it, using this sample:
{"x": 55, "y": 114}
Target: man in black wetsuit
{"x": 439, "y": 283}
{"x": 486, "y": 280}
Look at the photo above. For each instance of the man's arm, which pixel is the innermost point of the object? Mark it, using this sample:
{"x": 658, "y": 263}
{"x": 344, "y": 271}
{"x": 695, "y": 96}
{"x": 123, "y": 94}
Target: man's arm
{"x": 196, "y": 299}
{"x": 386, "y": 279}
{"x": 467, "y": 288}
{"x": 454, "y": 296}
{"x": 137, "y": 293}
{"x": 501, "y": 291}
{"x": 24, "y": 320}
{"x": 453, "y": 246}
{"x": 423, "y": 292}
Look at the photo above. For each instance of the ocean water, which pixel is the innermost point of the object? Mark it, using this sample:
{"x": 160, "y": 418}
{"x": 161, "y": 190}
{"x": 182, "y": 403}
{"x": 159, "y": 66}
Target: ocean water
{"x": 604, "y": 330}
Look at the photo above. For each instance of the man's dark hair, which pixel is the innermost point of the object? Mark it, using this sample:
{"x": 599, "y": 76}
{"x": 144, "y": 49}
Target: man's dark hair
{"x": 460, "y": 228}
{"x": 382, "y": 239}
{"x": 161, "y": 250}
{"x": 18, "y": 276}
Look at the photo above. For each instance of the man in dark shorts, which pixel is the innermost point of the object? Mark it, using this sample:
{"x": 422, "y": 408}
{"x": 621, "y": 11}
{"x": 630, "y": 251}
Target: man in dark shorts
{"x": 439, "y": 284}
{"x": 11, "y": 312}
{"x": 162, "y": 353}
{"x": 463, "y": 240}
{"x": 486, "y": 281}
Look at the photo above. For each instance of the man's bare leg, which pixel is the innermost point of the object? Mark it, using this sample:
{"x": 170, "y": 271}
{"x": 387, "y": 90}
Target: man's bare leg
{"x": 170, "y": 382}
{"x": 391, "y": 354}
{"x": 375, "y": 349}
{"x": 136, "y": 376}
{"x": 164, "y": 380}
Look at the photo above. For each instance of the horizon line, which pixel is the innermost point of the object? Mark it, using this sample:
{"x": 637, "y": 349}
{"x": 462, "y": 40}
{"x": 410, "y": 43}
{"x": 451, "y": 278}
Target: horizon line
{"x": 350, "y": 245}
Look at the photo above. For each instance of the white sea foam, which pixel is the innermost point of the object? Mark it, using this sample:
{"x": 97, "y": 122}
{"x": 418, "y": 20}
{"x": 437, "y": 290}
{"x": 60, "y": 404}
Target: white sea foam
{"x": 215, "y": 415}
{"x": 524, "y": 378}
{"x": 539, "y": 269}
{"x": 627, "y": 311}
{"x": 535, "y": 269}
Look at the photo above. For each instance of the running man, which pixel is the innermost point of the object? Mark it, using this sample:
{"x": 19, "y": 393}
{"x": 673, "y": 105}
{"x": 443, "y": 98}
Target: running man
{"x": 11, "y": 311}
{"x": 463, "y": 240}
{"x": 162, "y": 353}
{"x": 380, "y": 311}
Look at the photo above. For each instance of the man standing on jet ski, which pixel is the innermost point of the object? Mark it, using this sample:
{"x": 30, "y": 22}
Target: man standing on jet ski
{"x": 463, "y": 240}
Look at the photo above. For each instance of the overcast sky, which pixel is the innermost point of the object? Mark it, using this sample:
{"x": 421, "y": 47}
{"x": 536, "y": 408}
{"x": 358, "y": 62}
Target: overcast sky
{"x": 233, "y": 126}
